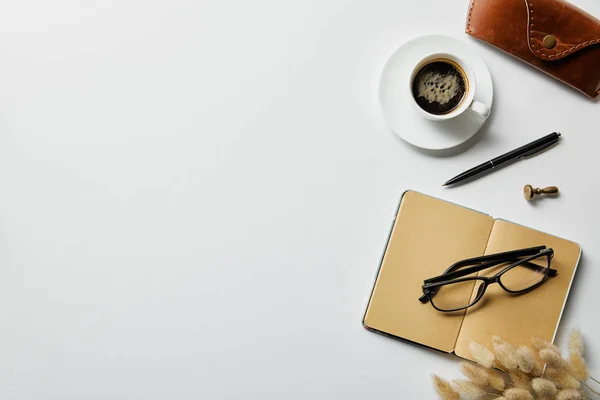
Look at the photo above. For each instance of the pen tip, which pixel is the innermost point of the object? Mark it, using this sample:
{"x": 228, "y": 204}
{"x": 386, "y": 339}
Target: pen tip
{"x": 443, "y": 185}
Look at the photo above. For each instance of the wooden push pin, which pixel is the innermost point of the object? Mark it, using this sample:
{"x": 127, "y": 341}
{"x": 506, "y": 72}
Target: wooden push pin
{"x": 529, "y": 192}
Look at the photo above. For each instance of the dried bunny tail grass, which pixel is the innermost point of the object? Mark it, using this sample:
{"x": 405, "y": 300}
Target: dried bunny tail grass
{"x": 468, "y": 389}
{"x": 578, "y": 367}
{"x": 576, "y": 342}
{"x": 506, "y": 353}
{"x": 525, "y": 359}
{"x": 543, "y": 387}
{"x": 538, "y": 368}
{"x": 552, "y": 358}
{"x": 562, "y": 378}
{"x": 496, "y": 380}
{"x": 569, "y": 394}
{"x": 481, "y": 354}
{"x": 518, "y": 394}
{"x": 475, "y": 373}
{"x": 520, "y": 380}
{"x": 541, "y": 344}
{"x": 498, "y": 341}
{"x": 444, "y": 389}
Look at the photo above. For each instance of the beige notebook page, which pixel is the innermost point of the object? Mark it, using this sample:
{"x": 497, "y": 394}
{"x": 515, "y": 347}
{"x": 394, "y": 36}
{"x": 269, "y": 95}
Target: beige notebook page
{"x": 428, "y": 236}
{"x": 517, "y": 318}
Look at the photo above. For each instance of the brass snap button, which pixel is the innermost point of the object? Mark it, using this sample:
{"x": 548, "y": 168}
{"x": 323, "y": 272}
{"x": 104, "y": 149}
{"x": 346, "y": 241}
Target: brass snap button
{"x": 549, "y": 42}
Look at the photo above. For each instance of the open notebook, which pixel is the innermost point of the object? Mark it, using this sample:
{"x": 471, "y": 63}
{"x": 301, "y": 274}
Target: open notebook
{"x": 428, "y": 236}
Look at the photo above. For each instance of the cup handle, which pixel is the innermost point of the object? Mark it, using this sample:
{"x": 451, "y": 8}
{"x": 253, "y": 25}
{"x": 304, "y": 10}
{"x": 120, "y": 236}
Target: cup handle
{"x": 480, "y": 109}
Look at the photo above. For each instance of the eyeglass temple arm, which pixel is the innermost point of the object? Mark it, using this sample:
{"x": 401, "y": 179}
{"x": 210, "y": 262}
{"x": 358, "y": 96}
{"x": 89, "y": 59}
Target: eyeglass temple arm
{"x": 497, "y": 257}
{"x": 468, "y": 271}
{"x": 492, "y": 259}
{"x": 458, "y": 274}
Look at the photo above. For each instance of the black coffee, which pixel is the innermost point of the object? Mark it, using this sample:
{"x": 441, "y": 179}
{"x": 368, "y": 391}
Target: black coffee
{"x": 439, "y": 87}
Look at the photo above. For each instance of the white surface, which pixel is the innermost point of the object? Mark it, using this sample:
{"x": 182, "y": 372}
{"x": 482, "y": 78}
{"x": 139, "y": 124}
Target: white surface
{"x": 196, "y": 194}
{"x": 405, "y": 117}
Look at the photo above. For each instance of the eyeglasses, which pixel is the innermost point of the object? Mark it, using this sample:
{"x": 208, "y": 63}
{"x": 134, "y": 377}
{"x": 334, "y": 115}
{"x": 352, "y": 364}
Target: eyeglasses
{"x": 519, "y": 271}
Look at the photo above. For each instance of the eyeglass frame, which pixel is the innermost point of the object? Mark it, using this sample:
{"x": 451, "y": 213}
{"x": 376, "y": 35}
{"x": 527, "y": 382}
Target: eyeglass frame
{"x": 453, "y": 275}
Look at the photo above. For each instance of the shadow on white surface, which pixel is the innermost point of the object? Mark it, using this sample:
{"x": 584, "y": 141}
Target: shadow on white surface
{"x": 540, "y": 199}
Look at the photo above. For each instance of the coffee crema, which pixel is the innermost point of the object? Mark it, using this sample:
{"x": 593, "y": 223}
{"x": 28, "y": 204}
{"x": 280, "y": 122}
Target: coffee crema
{"x": 440, "y": 86}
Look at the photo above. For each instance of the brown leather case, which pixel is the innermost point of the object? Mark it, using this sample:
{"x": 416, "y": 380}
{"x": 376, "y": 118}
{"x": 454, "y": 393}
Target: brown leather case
{"x": 551, "y": 35}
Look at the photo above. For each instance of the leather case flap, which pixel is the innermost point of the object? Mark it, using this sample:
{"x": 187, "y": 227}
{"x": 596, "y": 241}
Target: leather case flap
{"x": 564, "y": 28}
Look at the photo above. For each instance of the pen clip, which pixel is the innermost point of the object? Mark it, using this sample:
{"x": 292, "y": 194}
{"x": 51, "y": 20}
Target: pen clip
{"x": 538, "y": 150}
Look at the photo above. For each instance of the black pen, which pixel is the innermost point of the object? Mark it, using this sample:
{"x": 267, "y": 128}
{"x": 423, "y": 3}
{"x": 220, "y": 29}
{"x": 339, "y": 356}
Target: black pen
{"x": 528, "y": 150}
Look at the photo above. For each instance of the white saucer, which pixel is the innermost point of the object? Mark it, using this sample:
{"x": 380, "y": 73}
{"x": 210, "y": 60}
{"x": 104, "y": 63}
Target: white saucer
{"x": 395, "y": 99}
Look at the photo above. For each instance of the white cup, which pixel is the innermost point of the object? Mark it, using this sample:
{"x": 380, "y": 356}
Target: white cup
{"x": 478, "y": 109}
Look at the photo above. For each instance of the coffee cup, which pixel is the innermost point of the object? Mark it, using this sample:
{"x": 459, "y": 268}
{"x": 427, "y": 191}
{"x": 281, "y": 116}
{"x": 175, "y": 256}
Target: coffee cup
{"x": 443, "y": 87}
